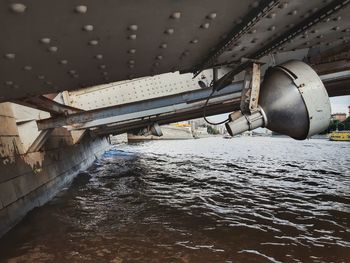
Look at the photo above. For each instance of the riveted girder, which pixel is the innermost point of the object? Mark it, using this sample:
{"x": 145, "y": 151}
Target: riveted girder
{"x": 49, "y": 46}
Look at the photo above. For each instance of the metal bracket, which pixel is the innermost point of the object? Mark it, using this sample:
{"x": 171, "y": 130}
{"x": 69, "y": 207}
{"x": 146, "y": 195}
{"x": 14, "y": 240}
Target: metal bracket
{"x": 251, "y": 89}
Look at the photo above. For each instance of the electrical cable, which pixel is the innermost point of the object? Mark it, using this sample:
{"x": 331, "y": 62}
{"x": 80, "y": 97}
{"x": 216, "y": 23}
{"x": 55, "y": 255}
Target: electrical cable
{"x": 204, "y": 109}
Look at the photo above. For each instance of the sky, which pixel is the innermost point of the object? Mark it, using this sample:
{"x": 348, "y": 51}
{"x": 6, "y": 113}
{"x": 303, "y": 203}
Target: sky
{"x": 340, "y": 104}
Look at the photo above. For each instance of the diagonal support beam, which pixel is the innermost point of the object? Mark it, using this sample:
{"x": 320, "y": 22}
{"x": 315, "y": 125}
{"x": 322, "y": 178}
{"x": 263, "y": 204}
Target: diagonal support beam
{"x": 134, "y": 110}
{"x": 48, "y": 105}
{"x": 186, "y": 114}
{"x": 191, "y": 100}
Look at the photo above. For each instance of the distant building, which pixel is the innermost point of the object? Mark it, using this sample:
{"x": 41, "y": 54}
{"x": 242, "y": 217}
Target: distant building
{"x": 201, "y": 132}
{"x": 198, "y": 123}
{"x": 339, "y": 116}
{"x": 201, "y": 125}
{"x": 221, "y": 128}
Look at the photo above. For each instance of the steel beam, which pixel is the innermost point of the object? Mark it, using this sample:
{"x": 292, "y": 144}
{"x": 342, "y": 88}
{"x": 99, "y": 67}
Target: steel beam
{"x": 134, "y": 110}
{"x": 248, "y": 22}
{"x": 187, "y": 37}
{"x": 338, "y": 87}
{"x": 332, "y": 67}
{"x": 315, "y": 18}
{"x": 186, "y": 114}
{"x": 39, "y": 142}
{"x": 160, "y": 111}
{"x": 338, "y": 53}
{"x": 46, "y": 104}
{"x": 119, "y": 93}
{"x": 156, "y": 106}
{"x": 337, "y": 84}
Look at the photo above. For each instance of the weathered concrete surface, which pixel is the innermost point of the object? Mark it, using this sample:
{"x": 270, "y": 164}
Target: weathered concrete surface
{"x": 30, "y": 179}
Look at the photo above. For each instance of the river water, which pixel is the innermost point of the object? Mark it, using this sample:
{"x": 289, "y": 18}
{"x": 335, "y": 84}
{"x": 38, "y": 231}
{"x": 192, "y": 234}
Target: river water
{"x": 207, "y": 200}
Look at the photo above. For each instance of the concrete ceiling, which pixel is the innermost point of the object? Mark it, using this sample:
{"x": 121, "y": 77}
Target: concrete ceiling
{"x": 54, "y": 45}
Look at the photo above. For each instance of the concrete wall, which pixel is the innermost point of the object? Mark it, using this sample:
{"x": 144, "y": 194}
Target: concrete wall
{"x": 30, "y": 179}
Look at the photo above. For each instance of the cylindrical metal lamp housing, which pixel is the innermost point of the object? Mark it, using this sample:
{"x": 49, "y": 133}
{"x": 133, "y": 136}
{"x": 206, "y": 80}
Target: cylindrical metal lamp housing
{"x": 314, "y": 94}
{"x": 293, "y": 101}
{"x": 244, "y": 123}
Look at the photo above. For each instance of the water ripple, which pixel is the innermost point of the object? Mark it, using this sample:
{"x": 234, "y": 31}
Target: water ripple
{"x": 208, "y": 200}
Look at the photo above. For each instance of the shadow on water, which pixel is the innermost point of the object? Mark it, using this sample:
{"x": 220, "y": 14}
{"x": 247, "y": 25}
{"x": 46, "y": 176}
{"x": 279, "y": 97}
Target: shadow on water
{"x": 207, "y": 200}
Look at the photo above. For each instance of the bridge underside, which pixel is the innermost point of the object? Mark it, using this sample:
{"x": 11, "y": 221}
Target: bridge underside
{"x": 57, "y": 54}
{"x": 75, "y": 71}
{"x": 104, "y": 114}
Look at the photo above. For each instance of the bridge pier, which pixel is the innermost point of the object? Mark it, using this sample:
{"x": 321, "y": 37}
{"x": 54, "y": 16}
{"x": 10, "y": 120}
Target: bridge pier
{"x": 30, "y": 177}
